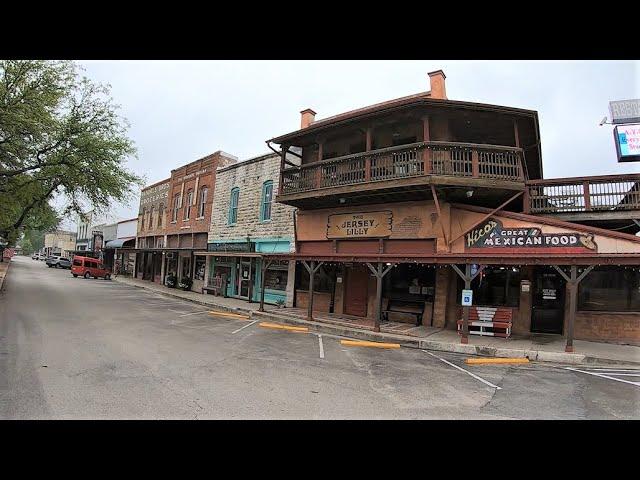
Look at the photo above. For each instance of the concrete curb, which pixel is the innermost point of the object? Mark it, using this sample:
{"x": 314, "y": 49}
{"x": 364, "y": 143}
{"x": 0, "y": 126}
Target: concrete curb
{"x": 6, "y": 274}
{"x": 243, "y": 311}
{"x": 405, "y": 341}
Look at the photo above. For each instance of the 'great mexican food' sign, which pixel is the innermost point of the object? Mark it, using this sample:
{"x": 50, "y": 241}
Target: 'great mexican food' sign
{"x": 359, "y": 225}
{"x": 492, "y": 234}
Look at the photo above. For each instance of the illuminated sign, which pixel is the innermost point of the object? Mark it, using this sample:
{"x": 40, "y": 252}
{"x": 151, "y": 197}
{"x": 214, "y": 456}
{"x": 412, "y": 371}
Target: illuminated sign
{"x": 625, "y": 111}
{"x": 627, "y": 138}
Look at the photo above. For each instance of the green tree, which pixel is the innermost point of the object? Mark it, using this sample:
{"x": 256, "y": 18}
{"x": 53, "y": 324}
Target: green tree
{"x": 60, "y": 137}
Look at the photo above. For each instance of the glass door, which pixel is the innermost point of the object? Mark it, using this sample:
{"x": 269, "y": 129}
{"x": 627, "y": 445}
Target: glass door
{"x": 244, "y": 277}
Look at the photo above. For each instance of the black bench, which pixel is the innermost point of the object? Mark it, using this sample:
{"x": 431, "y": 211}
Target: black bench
{"x": 413, "y": 307}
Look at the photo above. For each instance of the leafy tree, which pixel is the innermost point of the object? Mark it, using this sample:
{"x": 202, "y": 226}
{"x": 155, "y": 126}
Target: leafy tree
{"x": 60, "y": 136}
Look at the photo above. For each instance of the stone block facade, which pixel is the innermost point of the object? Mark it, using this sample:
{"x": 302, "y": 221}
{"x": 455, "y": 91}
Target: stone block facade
{"x": 249, "y": 177}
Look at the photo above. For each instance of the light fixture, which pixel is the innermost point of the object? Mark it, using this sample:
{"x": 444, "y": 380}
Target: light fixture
{"x": 342, "y": 200}
{"x": 469, "y": 193}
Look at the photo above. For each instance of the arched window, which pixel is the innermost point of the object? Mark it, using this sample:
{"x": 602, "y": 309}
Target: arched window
{"x": 143, "y": 218}
{"x": 267, "y": 199}
{"x": 203, "y": 201}
{"x": 176, "y": 205}
{"x": 151, "y": 218}
{"x": 233, "y": 206}
{"x": 160, "y": 215}
{"x": 187, "y": 207}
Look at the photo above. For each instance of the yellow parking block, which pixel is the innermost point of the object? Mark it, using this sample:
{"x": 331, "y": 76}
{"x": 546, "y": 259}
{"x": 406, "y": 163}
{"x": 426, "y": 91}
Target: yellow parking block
{"x": 227, "y": 314}
{"x": 278, "y": 326}
{"x": 482, "y": 361}
{"x": 363, "y": 343}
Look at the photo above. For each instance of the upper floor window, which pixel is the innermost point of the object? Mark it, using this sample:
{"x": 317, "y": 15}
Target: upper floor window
{"x": 160, "y": 215}
{"x": 176, "y": 205}
{"x": 187, "y": 207}
{"x": 151, "y": 219}
{"x": 203, "y": 201}
{"x": 267, "y": 199}
{"x": 143, "y": 218}
{"x": 233, "y": 205}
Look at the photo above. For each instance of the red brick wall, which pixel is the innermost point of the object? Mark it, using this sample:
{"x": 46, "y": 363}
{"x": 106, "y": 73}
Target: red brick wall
{"x": 608, "y": 327}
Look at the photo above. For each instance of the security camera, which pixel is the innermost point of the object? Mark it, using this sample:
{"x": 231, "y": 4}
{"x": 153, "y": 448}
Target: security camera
{"x": 604, "y": 120}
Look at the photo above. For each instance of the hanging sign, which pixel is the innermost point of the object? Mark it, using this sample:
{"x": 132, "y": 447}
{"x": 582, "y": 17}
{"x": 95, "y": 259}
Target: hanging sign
{"x": 627, "y": 138}
{"x": 360, "y": 225}
{"x": 492, "y": 234}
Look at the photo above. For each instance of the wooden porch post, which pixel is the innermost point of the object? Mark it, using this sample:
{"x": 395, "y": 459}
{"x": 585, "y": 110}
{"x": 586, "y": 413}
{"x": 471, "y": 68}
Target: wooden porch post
{"x": 587, "y": 196}
{"x": 426, "y": 153}
{"x": 312, "y": 269}
{"x": 468, "y": 278}
{"x": 379, "y": 273}
{"x": 367, "y": 161}
{"x": 573, "y": 280}
{"x": 263, "y": 272}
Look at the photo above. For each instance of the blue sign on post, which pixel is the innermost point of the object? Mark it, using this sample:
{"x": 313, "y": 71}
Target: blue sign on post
{"x": 467, "y": 298}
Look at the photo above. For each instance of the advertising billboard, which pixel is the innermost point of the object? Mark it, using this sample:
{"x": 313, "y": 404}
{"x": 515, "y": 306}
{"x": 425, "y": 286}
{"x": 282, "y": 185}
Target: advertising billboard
{"x": 627, "y": 138}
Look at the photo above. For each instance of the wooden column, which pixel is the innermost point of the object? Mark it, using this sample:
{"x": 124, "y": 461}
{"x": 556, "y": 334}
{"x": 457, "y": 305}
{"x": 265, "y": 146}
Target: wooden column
{"x": 475, "y": 164}
{"x": 379, "y": 273}
{"x": 573, "y": 280}
{"x": 317, "y": 174}
{"x": 367, "y": 164}
{"x": 426, "y": 153}
{"x": 468, "y": 278}
{"x": 263, "y": 272}
{"x": 311, "y": 269}
{"x": 516, "y": 134}
{"x": 587, "y": 197}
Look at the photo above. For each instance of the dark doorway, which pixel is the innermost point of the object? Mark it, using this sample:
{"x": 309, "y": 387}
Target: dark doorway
{"x": 547, "y": 314}
{"x": 355, "y": 295}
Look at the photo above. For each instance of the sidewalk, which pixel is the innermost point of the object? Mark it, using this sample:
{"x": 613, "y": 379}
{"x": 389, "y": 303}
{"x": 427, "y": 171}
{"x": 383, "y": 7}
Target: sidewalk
{"x": 4, "y": 266}
{"x": 543, "y": 348}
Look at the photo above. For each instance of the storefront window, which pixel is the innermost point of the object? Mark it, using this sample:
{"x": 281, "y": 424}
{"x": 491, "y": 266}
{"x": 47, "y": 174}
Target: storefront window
{"x": 276, "y": 276}
{"x": 323, "y": 280}
{"x": 410, "y": 282}
{"x": 200, "y": 266}
{"x": 614, "y": 289}
{"x": 494, "y": 287}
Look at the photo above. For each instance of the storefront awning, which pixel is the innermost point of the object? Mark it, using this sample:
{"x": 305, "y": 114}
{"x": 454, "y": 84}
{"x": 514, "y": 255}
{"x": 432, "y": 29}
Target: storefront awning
{"x": 477, "y": 259}
{"x": 229, "y": 254}
{"x": 119, "y": 243}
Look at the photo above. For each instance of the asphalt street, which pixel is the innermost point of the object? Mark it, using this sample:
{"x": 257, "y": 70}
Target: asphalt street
{"x": 72, "y": 348}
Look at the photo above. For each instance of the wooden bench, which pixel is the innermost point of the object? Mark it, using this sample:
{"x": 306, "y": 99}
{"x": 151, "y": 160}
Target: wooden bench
{"x": 489, "y": 321}
{"x": 413, "y": 307}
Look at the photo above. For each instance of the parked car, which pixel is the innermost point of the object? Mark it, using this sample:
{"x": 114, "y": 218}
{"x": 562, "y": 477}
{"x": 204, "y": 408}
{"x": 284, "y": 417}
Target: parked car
{"x": 58, "y": 262}
{"x": 34, "y": 256}
{"x": 89, "y": 267}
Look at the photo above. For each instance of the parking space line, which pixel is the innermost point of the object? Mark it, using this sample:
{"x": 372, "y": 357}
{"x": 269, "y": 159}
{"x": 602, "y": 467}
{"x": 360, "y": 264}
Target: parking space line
{"x": 242, "y": 328}
{"x": 637, "y": 384}
{"x": 194, "y": 313}
{"x": 465, "y": 371}
{"x": 321, "y": 346}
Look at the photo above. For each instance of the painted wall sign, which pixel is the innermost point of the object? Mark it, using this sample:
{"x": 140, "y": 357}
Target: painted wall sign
{"x": 359, "y": 225}
{"x": 492, "y": 234}
{"x": 627, "y": 138}
{"x": 154, "y": 195}
{"x": 231, "y": 247}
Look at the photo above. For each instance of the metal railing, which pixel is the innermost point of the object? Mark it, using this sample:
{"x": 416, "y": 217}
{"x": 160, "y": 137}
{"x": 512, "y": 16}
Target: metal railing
{"x": 416, "y": 159}
{"x": 583, "y": 194}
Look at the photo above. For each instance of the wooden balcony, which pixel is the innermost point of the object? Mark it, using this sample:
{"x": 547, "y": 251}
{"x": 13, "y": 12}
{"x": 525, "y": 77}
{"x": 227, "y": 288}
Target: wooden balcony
{"x": 397, "y": 168}
{"x": 608, "y": 201}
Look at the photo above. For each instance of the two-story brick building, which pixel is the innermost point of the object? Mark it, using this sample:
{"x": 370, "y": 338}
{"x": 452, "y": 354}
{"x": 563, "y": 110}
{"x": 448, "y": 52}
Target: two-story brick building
{"x": 174, "y": 219}
{"x": 246, "y": 224}
{"x": 405, "y": 204}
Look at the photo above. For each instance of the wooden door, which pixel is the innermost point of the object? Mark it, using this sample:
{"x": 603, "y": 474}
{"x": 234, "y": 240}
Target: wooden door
{"x": 355, "y": 295}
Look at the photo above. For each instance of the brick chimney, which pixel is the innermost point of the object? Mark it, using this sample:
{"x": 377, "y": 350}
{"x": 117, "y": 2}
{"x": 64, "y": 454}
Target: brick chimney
{"x": 307, "y": 118}
{"x": 438, "y": 89}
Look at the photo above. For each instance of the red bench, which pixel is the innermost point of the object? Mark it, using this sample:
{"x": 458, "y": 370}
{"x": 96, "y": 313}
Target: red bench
{"x": 489, "y": 321}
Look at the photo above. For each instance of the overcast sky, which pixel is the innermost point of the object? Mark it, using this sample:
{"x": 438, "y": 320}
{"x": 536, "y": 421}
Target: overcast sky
{"x": 180, "y": 111}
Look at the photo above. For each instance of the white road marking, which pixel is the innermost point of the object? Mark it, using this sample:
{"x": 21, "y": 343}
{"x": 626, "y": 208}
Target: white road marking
{"x": 465, "y": 371}
{"x": 611, "y": 370}
{"x": 637, "y": 384}
{"x": 193, "y": 313}
{"x": 625, "y": 374}
{"x": 242, "y": 328}
{"x": 321, "y": 346}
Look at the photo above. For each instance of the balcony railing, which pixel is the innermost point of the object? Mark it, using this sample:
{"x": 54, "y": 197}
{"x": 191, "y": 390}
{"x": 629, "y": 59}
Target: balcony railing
{"x": 417, "y": 159}
{"x": 584, "y": 194}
